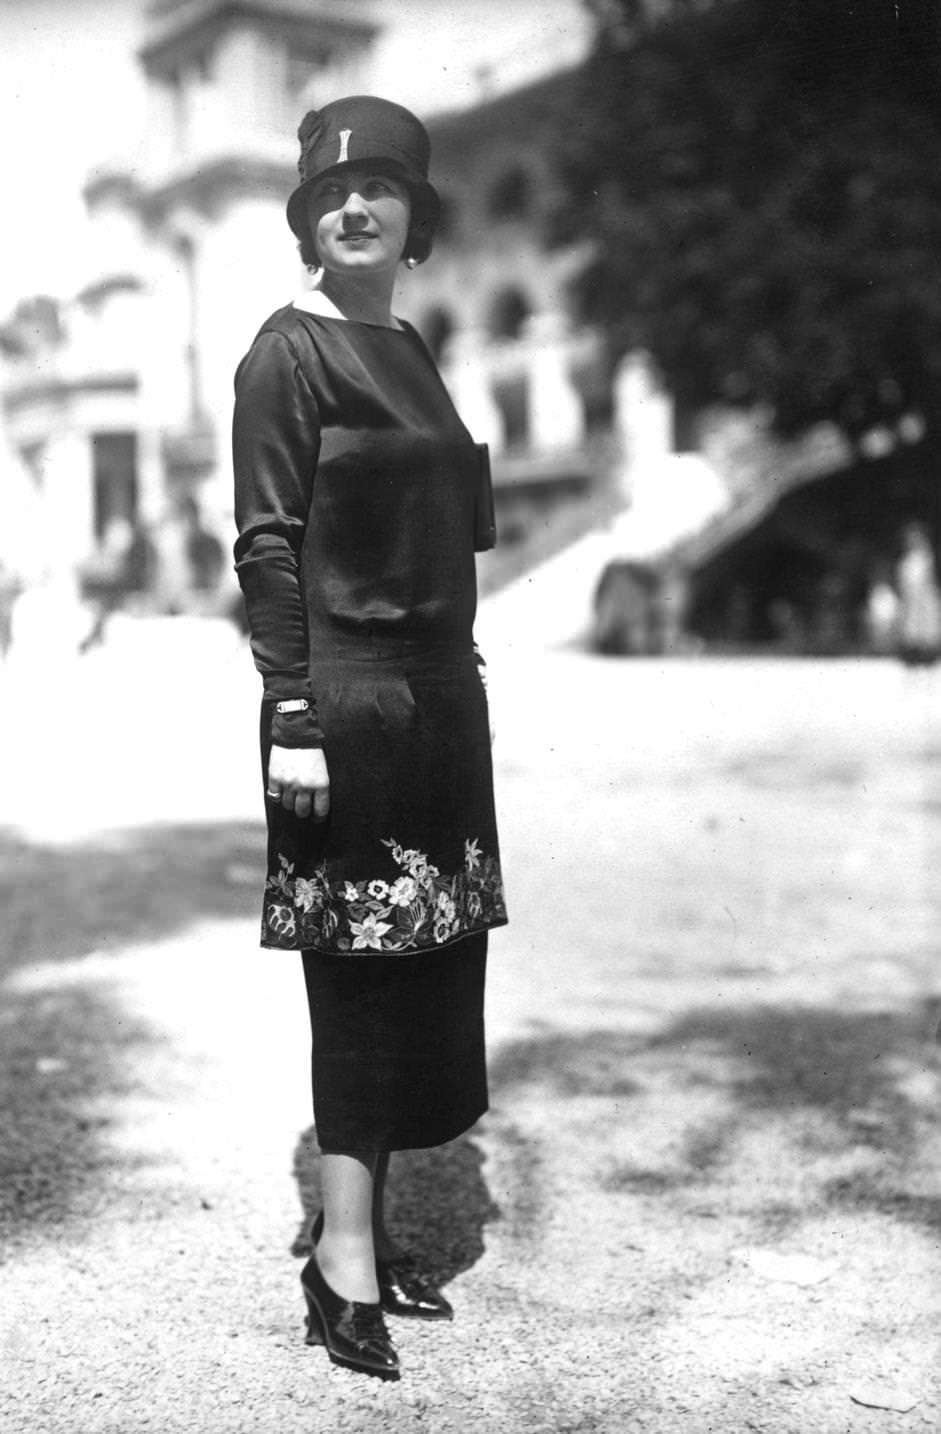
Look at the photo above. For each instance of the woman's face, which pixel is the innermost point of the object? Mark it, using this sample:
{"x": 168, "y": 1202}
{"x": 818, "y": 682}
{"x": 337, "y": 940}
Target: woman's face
{"x": 359, "y": 220}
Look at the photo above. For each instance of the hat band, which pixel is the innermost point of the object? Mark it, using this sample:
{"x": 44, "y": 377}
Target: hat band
{"x": 353, "y": 146}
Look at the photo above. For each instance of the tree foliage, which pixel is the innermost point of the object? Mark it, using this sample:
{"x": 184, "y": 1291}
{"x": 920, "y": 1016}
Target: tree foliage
{"x": 760, "y": 183}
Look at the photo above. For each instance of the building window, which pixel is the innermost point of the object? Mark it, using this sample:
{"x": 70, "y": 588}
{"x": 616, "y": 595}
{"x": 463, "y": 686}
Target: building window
{"x": 436, "y": 328}
{"x": 114, "y": 458}
{"x": 508, "y": 314}
{"x": 511, "y": 196}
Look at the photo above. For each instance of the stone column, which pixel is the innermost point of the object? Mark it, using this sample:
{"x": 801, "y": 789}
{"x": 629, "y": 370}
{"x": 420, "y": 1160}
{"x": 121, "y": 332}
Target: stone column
{"x": 68, "y": 500}
{"x": 467, "y": 377}
{"x": 151, "y": 487}
{"x": 643, "y": 419}
{"x": 557, "y": 417}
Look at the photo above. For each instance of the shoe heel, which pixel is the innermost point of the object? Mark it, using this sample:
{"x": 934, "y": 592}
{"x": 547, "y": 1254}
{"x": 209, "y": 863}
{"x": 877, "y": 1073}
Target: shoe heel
{"x": 364, "y": 1345}
{"x": 314, "y": 1323}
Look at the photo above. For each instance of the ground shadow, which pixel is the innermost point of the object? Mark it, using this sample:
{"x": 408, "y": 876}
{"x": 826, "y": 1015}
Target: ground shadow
{"x": 788, "y": 1057}
{"x": 596, "y": 1063}
{"x": 798, "y": 1062}
{"x": 437, "y": 1202}
{"x": 144, "y": 883}
{"x": 767, "y": 1062}
{"x": 830, "y": 1086}
{"x": 64, "y": 1046}
{"x": 63, "y": 1055}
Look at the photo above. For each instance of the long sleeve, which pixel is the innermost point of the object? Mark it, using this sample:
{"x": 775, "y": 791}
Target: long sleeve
{"x": 276, "y": 444}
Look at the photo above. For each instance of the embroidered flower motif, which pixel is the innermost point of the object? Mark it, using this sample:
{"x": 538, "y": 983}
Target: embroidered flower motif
{"x": 368, "y": 933}
{"x": 281, "y": 880}
{"x": 444, "y": 907}
{"x": 282, "y": 921}
{"x": 425, "y": 875}
{"x": 403, "y": 890}
{"x": 420, "y": 908}
{"x": 308, "y": 895}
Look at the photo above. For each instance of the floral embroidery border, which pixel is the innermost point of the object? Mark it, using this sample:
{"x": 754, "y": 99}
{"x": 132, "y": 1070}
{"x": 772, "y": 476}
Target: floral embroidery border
{"x": 419, "y": 908}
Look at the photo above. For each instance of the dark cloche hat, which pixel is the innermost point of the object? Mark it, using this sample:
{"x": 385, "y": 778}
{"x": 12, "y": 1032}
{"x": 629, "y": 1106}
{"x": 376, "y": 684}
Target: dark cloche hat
{"x": 363, "y": 129}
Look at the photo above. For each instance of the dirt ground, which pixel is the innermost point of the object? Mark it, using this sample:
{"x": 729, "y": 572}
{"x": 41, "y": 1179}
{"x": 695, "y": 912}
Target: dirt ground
{"x": 706, "y": 1197}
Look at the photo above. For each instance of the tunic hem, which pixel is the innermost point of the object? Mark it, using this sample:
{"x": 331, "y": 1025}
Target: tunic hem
{"x": 477, "y": 930}
{"x": 418, "y": 908}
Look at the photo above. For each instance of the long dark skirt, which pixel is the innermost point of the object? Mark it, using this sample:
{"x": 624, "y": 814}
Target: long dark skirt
{"x": 398, "y": 1056}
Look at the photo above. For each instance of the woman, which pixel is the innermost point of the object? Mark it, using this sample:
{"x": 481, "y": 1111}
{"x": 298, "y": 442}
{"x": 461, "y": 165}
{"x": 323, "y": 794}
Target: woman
{"x": 919, "y": 599}
{"x": 360, "y": 498}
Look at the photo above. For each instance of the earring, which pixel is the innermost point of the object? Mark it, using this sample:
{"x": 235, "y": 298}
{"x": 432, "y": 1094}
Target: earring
{"x": 411, "y": 262}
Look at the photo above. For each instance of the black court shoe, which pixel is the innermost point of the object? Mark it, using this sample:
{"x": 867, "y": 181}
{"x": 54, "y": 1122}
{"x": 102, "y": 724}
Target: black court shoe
{"x": 354, "y": 1333}
{"x": 403, "y": 1289}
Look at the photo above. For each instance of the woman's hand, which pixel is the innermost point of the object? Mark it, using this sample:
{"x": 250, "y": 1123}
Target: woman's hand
{"x": 297, "y": 778}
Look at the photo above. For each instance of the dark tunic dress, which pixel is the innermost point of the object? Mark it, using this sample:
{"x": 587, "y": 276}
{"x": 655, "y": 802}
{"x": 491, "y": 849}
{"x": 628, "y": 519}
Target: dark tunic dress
{"x": 357, "y": 489}
{"x": 360, "y": 498}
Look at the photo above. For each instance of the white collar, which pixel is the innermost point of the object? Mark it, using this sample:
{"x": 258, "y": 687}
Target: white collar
{"x": 312, "y": 301}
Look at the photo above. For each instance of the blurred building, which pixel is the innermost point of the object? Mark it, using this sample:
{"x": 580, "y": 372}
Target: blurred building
{"x": 117, "y": 400}
{"x": 493, "y": 307}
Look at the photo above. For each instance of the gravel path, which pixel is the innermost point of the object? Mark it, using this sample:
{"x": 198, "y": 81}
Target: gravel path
{"x": 706, "y": 1196}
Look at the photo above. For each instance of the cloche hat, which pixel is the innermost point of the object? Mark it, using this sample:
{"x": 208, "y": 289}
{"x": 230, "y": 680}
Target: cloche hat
{"x": 364, "y": 130}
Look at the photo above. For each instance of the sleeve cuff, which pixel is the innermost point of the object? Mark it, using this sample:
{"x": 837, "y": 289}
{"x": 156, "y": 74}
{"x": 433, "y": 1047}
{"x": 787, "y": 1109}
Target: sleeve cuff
{"x": 296, "y": 729}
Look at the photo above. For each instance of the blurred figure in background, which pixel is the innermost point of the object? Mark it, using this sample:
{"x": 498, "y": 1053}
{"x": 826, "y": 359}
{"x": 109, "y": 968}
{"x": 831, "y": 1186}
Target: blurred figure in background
{"x": 191, "y": 562}
{"x": 669, "y": 611}
{"x": 787, "y": 626}
{"x": 881, "y": 613}
{"x": 10, "y": 589}
{"x": 622, "y": 609}
{"x": 205, "y": 555}
{"x": 919, "y": 598}
{"x": 119, "y": 572}
{"x": 50, "y": 623}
